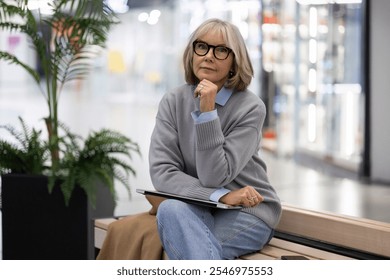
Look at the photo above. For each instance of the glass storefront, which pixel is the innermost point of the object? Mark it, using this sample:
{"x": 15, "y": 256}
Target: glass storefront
{"x": 152, "y": 36}
{"x": 307, "y": 57}
{"x": 312, "y": 58}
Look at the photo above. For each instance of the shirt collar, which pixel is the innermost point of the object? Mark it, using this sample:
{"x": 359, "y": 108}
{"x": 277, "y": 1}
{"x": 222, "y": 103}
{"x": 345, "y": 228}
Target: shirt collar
{"x": 223, "y": 96}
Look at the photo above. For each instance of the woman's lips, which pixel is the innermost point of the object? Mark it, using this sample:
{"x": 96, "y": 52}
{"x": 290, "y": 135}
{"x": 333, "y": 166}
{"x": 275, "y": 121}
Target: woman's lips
{"x": 207, "y": 68}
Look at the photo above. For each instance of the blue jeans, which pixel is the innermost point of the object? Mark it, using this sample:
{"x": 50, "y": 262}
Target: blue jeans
{"x": 189, "y": 231}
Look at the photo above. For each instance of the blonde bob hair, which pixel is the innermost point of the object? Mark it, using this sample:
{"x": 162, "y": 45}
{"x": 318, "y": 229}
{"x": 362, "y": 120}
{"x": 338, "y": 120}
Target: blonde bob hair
{"x": 242, "y": 71}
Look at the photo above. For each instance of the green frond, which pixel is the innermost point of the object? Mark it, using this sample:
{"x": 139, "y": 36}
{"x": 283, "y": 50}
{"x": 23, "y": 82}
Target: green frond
{"x": 28, "y": 154}
{"x": 104, "y": 156}
{"x": 69, "y": 141}
{"x": 81, "y": 24}
{"x": 27, "y": 140}
{"x": 77, "y": 66}
{"x": 123, "y": 178}
{"x": 84, "y": 25}
{"x": 51, "y": 182}
{"x": 8, "y": 11}
{"x": 16, "y": 17}
{"x": 10, "y": 158}
{"x": 14, "y": 60}
{"x": 67, "y": 186}
{"x": 14, "y": 133}
{"x": 80, "y": 29}
{"x": 12, "y": 27}
{"x": 124, "y": 165}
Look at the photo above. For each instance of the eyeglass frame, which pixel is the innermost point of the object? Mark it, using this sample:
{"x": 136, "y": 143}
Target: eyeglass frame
{"x": 211, "y": 46}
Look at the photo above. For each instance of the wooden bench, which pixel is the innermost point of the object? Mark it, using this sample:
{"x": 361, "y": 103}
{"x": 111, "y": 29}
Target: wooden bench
{"x": 312, "y": 235}
{"x": 319, "y": 235}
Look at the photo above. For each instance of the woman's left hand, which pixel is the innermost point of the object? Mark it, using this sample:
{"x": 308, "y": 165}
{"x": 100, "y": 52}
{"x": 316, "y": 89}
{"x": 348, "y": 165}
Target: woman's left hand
{"x": 246, "y": 196}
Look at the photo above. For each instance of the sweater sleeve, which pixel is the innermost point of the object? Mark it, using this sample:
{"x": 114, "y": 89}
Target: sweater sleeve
{"x": 167, "y": 167}
{"x": 221, "y": 156}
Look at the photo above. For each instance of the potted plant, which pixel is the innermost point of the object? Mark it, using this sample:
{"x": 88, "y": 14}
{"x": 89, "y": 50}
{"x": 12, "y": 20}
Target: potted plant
{"x": 52, "y": 184}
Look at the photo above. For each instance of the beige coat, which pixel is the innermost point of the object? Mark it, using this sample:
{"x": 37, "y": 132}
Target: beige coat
{"x": 134, "y": 237}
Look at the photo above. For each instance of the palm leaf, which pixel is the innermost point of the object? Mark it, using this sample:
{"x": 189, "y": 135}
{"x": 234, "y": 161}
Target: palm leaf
{"x": 80, "y": 31}
{"x": 81, "y": 25}
{"x": 14, "y": 60}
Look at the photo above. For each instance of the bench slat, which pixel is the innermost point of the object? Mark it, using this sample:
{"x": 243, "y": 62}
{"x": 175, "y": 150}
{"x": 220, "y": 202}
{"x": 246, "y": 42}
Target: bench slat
{"x": 355, "y": 233}
{"x": 104, "y": 223}
{"x": 299, "y": 249}
{"x": 257, "y": 256}
{"x": 100, "y": 235}
{"x": 360, "y": 234}
{"x": 278, "y": 252}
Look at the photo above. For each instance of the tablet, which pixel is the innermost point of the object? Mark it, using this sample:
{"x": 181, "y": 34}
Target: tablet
{"x": 202, "y": 202}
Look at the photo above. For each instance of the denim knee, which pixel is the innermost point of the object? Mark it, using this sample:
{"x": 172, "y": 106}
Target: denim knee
{"x": 169, "y": 208}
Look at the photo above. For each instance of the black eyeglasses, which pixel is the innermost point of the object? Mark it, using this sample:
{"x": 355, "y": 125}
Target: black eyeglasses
{"x": 202, "y": 48}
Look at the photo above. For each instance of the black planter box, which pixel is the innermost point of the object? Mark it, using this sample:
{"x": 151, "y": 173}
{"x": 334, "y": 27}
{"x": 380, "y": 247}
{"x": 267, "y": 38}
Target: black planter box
{"x": 37, "y": 225}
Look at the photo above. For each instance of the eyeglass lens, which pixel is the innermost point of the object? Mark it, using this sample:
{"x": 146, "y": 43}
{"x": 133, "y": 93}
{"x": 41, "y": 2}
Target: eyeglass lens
{"x": 220, "y": 52}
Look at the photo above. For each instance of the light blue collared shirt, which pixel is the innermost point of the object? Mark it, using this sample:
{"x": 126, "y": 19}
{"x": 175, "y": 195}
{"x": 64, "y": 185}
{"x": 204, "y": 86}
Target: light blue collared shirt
{"x": 221, "y": 99}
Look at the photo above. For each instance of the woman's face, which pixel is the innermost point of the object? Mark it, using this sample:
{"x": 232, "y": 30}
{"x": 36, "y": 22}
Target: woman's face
{"x": 210, "y": 68}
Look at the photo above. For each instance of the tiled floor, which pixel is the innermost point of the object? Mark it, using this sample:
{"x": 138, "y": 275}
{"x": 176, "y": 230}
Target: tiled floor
{"x": 133, "y": 113}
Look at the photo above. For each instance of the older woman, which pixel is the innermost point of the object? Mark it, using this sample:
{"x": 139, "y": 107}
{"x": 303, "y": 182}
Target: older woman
{"x": 205, "y": 144}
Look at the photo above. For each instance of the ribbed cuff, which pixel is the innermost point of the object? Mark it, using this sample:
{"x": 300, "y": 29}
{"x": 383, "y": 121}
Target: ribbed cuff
{"x": 209, "y": 135}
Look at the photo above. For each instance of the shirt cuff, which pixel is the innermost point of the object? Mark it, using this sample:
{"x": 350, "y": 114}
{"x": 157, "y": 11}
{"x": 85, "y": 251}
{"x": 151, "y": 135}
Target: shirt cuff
{"x": 199, "y": 117}
{"x": 215, "y": 196}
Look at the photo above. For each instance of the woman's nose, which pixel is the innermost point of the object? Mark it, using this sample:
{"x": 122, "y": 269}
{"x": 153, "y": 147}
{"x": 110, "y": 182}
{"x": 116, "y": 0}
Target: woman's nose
{"x": 210, "y": 53}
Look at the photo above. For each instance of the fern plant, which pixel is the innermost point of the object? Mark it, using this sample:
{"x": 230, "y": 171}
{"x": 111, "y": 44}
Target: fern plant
{"x": 103, "y": 155}
{"x": 28, "y": 154}
{"x": 80, "y": 29}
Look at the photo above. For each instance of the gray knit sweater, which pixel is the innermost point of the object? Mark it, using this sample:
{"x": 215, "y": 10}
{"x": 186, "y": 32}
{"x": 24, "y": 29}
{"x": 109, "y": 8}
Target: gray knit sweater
{"x": 196, "y": 159}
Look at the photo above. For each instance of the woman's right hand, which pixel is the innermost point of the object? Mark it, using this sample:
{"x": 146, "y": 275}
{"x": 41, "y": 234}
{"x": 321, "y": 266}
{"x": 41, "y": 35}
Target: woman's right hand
{"x": 207, "y": 92}
{"x": 246, "y": 196}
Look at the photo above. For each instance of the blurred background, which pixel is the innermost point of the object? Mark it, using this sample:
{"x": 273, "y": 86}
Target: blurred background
{"x": 320, "y": 68}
